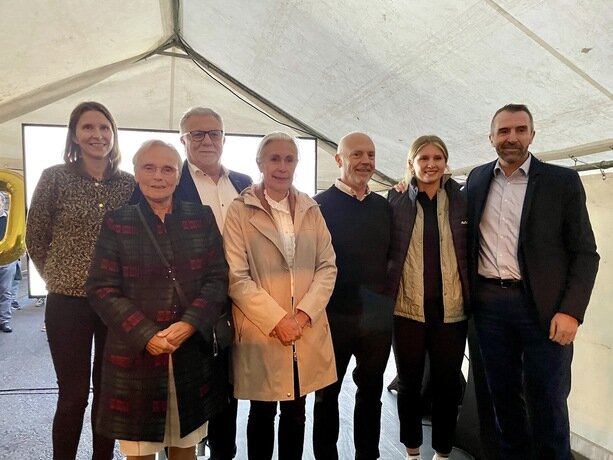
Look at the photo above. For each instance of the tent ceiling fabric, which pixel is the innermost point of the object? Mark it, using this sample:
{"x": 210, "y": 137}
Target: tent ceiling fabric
{"x": 47, "y": 42}
{"x": 396, "y": 70}
{"x": 399, "y": 70}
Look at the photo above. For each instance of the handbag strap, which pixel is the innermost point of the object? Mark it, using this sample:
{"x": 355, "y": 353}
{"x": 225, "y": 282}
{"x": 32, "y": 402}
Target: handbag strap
{"x": 171, "y": 272}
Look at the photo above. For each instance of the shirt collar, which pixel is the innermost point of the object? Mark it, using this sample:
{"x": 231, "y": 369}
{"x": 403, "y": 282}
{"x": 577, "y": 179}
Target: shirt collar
{"x": 282, "y": 206}
{"x": 195, "y": 170}
{"x": 339, "y": 184}
{"x": 524, "y": 167}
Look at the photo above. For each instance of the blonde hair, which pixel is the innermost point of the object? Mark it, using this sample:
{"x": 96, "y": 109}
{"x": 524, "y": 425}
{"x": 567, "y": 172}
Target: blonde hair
{"x": 417, "y": 145}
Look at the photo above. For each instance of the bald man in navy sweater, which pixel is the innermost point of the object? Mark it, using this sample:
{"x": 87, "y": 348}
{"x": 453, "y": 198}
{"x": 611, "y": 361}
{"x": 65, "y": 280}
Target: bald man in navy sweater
{"x": 359, "y": 311}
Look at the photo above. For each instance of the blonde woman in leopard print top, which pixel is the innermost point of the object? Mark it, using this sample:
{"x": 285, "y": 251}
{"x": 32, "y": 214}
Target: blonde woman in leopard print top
{"x": 63, "y": 224}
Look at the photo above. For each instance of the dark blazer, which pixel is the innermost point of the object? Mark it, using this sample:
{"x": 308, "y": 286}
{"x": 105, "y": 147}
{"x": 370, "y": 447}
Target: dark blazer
{"x": 129, "y": 288}
{"x": 556, "y": 248}
{"x": 404, "y": 209}
{"x": 187, "y": 191}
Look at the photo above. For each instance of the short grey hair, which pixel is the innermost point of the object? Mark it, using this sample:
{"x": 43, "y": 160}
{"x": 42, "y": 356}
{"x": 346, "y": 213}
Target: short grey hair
{"x": 157, "y": 143}
{"x": 275, "y": 136}
{"x": 205, "y": 111}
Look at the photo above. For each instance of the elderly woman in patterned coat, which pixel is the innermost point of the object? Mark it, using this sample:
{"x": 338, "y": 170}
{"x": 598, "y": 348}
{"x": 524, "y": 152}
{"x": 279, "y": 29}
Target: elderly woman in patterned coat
{"x": 159, "y": 379}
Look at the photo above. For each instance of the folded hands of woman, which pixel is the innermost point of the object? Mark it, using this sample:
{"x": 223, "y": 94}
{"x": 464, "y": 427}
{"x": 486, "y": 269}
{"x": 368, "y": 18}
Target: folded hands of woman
{"x": 169, "y": 339}
{"x": 289, "y": 329}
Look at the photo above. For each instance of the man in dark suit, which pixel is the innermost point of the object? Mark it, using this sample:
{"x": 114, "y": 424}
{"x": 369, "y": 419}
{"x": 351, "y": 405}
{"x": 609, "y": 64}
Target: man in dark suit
{"x": 533, "y": 263}
{"x": 205, "y": 180}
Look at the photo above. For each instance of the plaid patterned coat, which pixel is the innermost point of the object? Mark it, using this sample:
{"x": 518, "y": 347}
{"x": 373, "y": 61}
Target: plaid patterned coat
{"x": 129, "y": 288}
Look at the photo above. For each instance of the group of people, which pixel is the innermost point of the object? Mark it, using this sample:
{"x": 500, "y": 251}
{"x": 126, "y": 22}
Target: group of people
{"x": 139, "y": 265}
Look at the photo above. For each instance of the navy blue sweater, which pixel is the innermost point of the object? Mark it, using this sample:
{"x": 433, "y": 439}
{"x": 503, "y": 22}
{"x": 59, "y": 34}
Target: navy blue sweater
{"x": 361, "y": 235}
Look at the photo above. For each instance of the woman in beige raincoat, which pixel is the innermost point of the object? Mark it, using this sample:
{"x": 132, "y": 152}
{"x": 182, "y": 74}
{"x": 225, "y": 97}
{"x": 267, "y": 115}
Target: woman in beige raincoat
{"x": 282, "y": 273}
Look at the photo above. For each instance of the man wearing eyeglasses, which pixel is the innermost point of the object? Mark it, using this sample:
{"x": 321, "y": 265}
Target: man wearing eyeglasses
{"x": 205, "y": 180}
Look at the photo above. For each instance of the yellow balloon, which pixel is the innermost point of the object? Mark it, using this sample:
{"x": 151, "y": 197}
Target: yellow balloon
{"x": 13, "y": 245}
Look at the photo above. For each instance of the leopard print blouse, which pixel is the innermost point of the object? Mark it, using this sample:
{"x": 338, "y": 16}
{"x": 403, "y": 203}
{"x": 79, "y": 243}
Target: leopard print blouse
{"x": 64, "y": 221}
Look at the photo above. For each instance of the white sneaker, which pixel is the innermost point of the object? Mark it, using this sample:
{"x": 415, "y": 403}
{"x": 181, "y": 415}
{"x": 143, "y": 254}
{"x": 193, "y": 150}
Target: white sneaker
{"x": 439, "y": 457}
{"x": 413, "y": 456}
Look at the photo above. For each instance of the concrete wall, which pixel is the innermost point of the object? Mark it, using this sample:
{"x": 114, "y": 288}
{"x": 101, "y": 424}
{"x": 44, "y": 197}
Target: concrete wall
{"x": 591, "y": 399}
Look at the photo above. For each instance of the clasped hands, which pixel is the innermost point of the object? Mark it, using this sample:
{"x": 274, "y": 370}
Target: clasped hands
{"x": 169, "y": 339}
{"x": 289, "y": 329}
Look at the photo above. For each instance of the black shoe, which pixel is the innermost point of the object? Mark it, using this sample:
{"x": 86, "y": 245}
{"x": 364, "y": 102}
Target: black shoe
{"x": 16, "y": 306}
{"x": 5, "y": 327}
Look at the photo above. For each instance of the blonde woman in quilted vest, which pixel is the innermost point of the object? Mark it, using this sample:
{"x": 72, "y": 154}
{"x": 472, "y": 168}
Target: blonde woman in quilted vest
{"x": 428, "y": 272}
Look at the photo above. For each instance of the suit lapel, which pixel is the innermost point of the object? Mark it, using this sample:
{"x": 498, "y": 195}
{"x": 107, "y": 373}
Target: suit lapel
{"x": 263, "y": 222}
{"x": 482, "y": 187}
{"x": 187, "y": 189}
{"x": 533, "y": 179}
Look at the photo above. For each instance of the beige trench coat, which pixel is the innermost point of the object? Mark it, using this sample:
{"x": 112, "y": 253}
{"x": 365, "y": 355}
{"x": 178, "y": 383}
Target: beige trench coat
{"x": 260, "y": 288}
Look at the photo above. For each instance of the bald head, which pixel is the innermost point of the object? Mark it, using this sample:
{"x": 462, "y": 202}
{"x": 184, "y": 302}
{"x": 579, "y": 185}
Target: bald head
{"x": 355, "y": 157}
{"x": 348, "y": 141}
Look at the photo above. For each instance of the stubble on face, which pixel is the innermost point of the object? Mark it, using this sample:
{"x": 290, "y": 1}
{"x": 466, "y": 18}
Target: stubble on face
{"x": 511, "y": 136}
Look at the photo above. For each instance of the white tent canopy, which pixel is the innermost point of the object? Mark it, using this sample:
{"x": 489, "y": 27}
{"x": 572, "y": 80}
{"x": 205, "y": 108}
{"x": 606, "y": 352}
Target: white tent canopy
{"x": 394, "y": 69}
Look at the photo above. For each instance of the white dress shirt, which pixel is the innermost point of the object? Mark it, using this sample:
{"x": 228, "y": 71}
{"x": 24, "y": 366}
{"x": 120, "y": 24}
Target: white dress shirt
{"x": 216, "y": 195}
{"x": 500, "y": 222}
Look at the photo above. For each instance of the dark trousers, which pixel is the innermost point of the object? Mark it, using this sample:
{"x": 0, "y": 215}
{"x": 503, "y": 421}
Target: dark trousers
{"x": 371, "y": 351}
{"x": 444, "y": 344}
{"x": 528, "y": 375}
{"x": 221, "y": 434}
{"x": 71, "y": 324}
{"x": 261, "y": 427}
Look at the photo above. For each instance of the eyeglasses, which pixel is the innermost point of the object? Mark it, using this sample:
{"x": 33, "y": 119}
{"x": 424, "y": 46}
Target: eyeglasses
{"x": 198, "y": 136}
{"x": 167, "y": 171}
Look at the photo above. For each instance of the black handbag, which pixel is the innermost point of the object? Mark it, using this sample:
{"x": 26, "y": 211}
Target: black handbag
{"x": 223, "y": 330}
